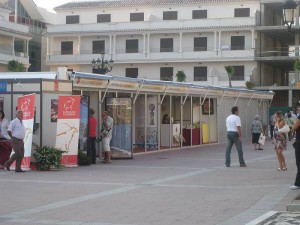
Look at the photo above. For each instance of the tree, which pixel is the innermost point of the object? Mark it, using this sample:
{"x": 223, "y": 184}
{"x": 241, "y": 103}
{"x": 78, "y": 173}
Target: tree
{"x": 230, "y": 72}
{"x": 15, "y": 66}
{"x": 180, "y": 75}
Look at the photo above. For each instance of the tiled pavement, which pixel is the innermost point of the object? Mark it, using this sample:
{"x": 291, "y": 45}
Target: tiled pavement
{"x": 182, "y": 187}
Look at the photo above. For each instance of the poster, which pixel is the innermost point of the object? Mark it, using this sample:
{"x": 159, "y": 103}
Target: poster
{"x": 26, "y": 103}
{"x": 67, "y": 134}
{"x": 84, "y": 120}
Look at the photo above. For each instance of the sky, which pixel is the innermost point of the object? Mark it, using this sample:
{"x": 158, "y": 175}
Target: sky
{"x": 50, "y": 4}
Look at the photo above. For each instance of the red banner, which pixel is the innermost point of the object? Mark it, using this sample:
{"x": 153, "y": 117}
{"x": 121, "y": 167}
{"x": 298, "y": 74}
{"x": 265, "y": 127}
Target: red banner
{"x": 27, "y": 104}
{"x": 68, "y": 107}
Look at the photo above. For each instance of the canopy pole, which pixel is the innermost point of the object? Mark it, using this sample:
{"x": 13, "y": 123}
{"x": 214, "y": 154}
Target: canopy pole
{"x": 205, "y": 97}
{"x": 250, "y": 99}
{"x": 107, "y": 86}
{"x": 186, "y": 95}
{"x": 164, "y": 95}
{"x": 222, "y": 98}
{"x": 260, "y": 101}
{"x": 138, "y": 91}
{"x": 237, "y": 98}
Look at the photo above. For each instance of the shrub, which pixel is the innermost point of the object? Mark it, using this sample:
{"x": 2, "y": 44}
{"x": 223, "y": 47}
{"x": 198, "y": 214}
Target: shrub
{"x": 48, "y": 157}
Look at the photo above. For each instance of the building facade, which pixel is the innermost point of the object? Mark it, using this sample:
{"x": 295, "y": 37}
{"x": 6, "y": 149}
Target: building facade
{"x": 155, "y": 39}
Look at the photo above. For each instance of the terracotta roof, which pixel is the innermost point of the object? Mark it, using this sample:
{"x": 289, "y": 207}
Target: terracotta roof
{"x": 130, "y": 3}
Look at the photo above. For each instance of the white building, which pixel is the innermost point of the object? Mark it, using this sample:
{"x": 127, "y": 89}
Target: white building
{"x": 155, "y": 39}
{"x": 14, "y": 40}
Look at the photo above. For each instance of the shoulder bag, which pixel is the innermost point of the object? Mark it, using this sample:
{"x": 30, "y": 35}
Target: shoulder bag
{"x": 285, "y": 129}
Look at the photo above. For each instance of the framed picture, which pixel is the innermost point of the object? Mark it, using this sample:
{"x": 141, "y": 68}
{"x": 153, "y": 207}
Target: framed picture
{"x": 208, "y": 107}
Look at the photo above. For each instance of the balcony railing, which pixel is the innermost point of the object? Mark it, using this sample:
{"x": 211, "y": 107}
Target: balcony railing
{"x": 291, "y": 51}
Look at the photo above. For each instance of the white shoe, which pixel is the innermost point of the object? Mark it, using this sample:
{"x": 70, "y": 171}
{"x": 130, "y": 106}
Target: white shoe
{"x": 294, "y": 187}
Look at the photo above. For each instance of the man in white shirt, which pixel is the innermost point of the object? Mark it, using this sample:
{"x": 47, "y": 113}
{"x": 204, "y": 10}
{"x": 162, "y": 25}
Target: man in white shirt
{"x": 16, "y": 131}
{"x": 234, "y": 136}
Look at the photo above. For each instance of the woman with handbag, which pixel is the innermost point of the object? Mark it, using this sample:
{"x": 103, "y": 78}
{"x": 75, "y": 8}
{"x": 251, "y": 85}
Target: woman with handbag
{"x": 256, "y": 130}
{"x": 279, "y": 140}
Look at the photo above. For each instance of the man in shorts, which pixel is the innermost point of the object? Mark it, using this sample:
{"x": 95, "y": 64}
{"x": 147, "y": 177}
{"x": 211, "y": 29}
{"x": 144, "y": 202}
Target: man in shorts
{"x": 106, "y": 133}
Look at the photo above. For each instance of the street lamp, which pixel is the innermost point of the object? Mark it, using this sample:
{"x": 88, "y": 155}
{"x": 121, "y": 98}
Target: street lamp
{"x": 102, "y": 66}
{"x": 289, "y": 7}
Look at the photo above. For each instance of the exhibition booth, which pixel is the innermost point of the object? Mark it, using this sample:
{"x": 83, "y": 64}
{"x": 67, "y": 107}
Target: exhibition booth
{"x": 148, "y": 115}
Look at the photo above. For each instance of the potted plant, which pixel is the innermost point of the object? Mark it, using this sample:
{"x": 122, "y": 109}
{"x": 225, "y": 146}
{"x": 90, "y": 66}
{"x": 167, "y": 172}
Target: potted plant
{"x": 230, "y": 72}
{"x": 250, "y": 85}
{"x": 180, "y": 75}
{"x": 15, "y": 66}
{"x": 297, "y": 65}
{"x": 48, "y": 157}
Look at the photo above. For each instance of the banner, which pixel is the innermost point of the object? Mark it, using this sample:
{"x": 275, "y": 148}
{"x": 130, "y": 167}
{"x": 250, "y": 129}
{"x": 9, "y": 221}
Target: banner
{"x": 26, "y": 103}
{"x": 67, "y": 134}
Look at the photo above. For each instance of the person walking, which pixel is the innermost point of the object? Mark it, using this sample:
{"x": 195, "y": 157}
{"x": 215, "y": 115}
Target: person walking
{"x": 92, "y": 136}
{"x": 234, "y": 136}
{"x": 296, "y": 128}
{"x": 256, "y": 130}
{"x": 106, "y": 133}
{"x": 290, "y": 122}
{"x": 16, "y": 131}
{"x": 272, "y": 125}
{"x": 279, "y": 141}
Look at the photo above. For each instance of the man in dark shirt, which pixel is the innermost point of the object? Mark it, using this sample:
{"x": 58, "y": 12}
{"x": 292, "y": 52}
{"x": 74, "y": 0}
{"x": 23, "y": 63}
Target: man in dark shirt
{"x": 296, "y": 128}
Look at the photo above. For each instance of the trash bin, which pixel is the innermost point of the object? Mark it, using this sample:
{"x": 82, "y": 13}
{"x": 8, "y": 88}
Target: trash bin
{"x": 205, "y": 133}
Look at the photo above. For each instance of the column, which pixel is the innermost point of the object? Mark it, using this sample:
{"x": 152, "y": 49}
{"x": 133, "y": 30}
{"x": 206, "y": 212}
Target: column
{"x": 148, "y": 45}
{"x": 52, "y": 41}
{"x": 16, "y": 11}
{"x": 144, "y": 43}
{"x": 47, "y": 47}
{"x": 114, "y": 44}
{"x": 78, "y": 45}
{"x": 180, "y": 42}
{"x": 262, "y": 14}
{"x": 27, "y": 48}
{"x": 13, "y": 46}
{"x": 110, "y": 44}
{"x": 253, "y": 39}
{"x": 290, "y": 104}
{"x": 215, "y": 41}
{"x": 220, "y": 37}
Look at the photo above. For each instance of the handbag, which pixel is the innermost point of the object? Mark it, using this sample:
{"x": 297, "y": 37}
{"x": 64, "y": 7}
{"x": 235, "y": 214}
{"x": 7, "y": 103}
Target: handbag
{"x": 262, "y": 139}
{"x": 285, "y": 129}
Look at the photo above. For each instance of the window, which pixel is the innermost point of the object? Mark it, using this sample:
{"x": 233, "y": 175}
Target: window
{"x": 166, "y": 45}
{"x": 239, "y": 73}
{"x": 199, "y": 14}
{"x": 72, "y": 19}
{"x": 200, "y": 44}
{"x": 170, "y": 15}
{"x": 166, "y": 73}
{"x": 200, "y": 73}
{"x": 237, "y": 42}
{"x": 132, "y": 46}
{"x": 67, "y": 48}
{"x": 103, "y": 18}
{"x": 132, "y": 72}
{"x": 242, "y": 12}
{"x": 137, "y": 16}
{"x": 98, "y": 47}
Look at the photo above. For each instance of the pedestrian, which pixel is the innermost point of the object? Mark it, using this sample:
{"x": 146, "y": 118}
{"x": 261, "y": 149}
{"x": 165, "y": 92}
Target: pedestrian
{"x": 91, "y": 151}
{"x": 256, "y": 130}
{"x": 290, "y": 122}
{"x": 16, "y": 131}
{"x": 234, "y": 136}
{"x": 272, "y": 124}
{"x": 3, "y": 126}
{"x": 106, "y": 133}
{"x": 280, "y": 141}
{"x": 296, "y": 128}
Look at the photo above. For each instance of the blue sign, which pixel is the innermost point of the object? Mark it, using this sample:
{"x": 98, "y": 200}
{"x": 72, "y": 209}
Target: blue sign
{"x": 3, "y": 86}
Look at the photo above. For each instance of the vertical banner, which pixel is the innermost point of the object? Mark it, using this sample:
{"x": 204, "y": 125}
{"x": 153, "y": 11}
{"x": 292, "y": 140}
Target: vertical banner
{"x": 26, "y": 103}
{"x": 67, "y": 134}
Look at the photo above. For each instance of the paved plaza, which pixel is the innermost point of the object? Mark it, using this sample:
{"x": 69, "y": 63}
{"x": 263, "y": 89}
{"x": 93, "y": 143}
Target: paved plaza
{"x": 190, "y": 186}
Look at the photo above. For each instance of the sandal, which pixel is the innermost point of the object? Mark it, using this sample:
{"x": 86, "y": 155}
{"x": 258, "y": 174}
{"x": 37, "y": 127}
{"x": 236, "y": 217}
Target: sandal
{"x": 279, "y": 169}
{"x": 284, "y": 169}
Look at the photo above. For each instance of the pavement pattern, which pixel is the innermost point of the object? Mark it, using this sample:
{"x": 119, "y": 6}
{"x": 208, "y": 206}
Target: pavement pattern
{"x": 189, "y": 186}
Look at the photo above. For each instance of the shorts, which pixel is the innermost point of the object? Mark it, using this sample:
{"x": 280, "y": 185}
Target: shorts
{"x": 106, "y": 144}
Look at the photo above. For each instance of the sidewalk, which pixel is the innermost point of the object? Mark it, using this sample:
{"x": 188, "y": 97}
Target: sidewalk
{"x": 181, "y": 187}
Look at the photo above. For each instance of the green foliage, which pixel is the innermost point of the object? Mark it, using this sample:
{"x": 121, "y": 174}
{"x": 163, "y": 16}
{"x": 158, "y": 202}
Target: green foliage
{"x": 297, "y": 65}
{"x": 15, "y": 66}
{"x": 230, "y": 72}
{"x": 48, "y": 157}
{"x": 180, "y": 75}
{"x": 83, "y": 159}
{"x": 249, "y": 85}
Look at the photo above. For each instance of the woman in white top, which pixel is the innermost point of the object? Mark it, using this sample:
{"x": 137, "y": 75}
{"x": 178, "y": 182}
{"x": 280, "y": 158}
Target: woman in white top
{"x": 3, "y": 126}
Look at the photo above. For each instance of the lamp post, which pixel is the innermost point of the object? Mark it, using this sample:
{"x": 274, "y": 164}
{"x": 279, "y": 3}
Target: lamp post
{"x": 102, "y": 66}
{"x": 288, "y": 8}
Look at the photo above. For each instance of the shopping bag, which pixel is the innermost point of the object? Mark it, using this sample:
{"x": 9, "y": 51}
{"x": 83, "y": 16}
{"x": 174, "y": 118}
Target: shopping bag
{"x": 262, "y": 139}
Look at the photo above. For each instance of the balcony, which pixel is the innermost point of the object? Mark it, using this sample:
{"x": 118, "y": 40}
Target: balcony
{"x": 106, "y": 28}
{"x": 7, "y": 54}
{"x": 14, "y": 27}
